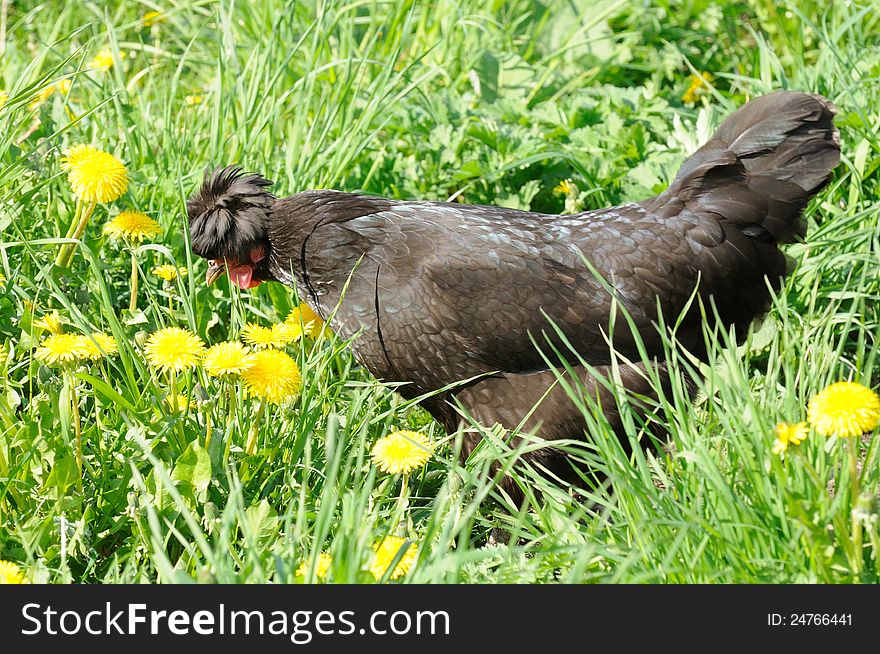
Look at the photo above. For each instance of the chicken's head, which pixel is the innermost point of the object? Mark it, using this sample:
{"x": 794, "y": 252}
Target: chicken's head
{"x": 228, "y": 220}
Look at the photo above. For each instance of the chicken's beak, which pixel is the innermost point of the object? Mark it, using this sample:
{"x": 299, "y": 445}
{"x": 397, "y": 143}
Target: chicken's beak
{"x": 215, "y": 270}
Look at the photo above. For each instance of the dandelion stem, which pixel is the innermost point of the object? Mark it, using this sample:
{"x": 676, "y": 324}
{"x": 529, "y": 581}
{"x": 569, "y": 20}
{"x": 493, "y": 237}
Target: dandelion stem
{"x": 853, "y": 448}
{"x": 74, "y": 401}
{"x": 181, "y": 444}
{"x": 84, "y": 220}
{"x": 62, "y": 251}
{"x": 67, "y": 250}
{"x": 76, "y": 216}
{"x": 251, "y": 446}
{"x": 402, "y": 505}
{"x": 132, "y": 303}
{"x": 230, "y": 422}
{"x": 98, "y": 425}
{"x": 172, "y": 382}
{"x": 209, "y": 427}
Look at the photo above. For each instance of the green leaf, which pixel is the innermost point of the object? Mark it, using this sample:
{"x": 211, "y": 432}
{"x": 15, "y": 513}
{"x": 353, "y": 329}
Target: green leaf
{"x": 136, "y": 317}
{"x": 486, "y": 73}
{"x": 64, "y": 474}
{"x": 192, "y": 473}
{"x": 107, "y": 391}
{"x": 262, "y": 520}
{"x": 281, "y": 299}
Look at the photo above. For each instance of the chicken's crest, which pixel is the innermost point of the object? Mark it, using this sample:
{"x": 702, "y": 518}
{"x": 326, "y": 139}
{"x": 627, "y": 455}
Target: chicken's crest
{"x": 228, "y": 216}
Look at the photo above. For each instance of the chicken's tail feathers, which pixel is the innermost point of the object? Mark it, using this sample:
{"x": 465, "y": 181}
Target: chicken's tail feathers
{"x": 762, "y": 166}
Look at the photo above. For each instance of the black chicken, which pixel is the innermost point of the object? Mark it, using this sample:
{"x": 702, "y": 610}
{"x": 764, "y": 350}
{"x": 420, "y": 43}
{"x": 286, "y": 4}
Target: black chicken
{"x": 443, "y": 292}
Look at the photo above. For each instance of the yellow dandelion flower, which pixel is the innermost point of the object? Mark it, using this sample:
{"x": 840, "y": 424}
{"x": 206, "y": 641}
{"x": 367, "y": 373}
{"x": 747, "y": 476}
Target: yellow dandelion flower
{"x": 169, "y": 272}
{"x": 62, "y": 87}
{"x": 697, "y": 87}
{"x": 2, "y": 278}
{"x": 386, "y": 552}
{"x": 43, "y": 95}
{"x": 193, "y": 100}
{"x": 227, "y": 359}
{"x": 789, "y": 434}
{"x": 180, "y": 402}
{"x": 308, "y": 321}
{"x": 76, "y": 155}
{"x": 10, "y": 573}
{"x": 285, "y": 333}
{"x": 322, "y": 566}
{"x": 132, "y": 226}
{"x": 402, "y": 452}
{"x": 62, "y": 348}
{"x": 104, "y": 59}
{"x": 51, "y": 322}
{"x": 4, "y": 98}
{"x": 98, "y": 345}
{"x": 262, "y": 337}
{"x": 844, "y": 409}
{"x": 153, "y": 18}
{"x": 94, "y": 175}
{"x": 566, "y": 187}
{"x": 174, "y": 350}
{"x": 272, "y": 376}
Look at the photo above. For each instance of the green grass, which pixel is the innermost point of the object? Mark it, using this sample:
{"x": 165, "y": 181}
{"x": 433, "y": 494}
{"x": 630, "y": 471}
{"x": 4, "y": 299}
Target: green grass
{"x": 486, "y": 101}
